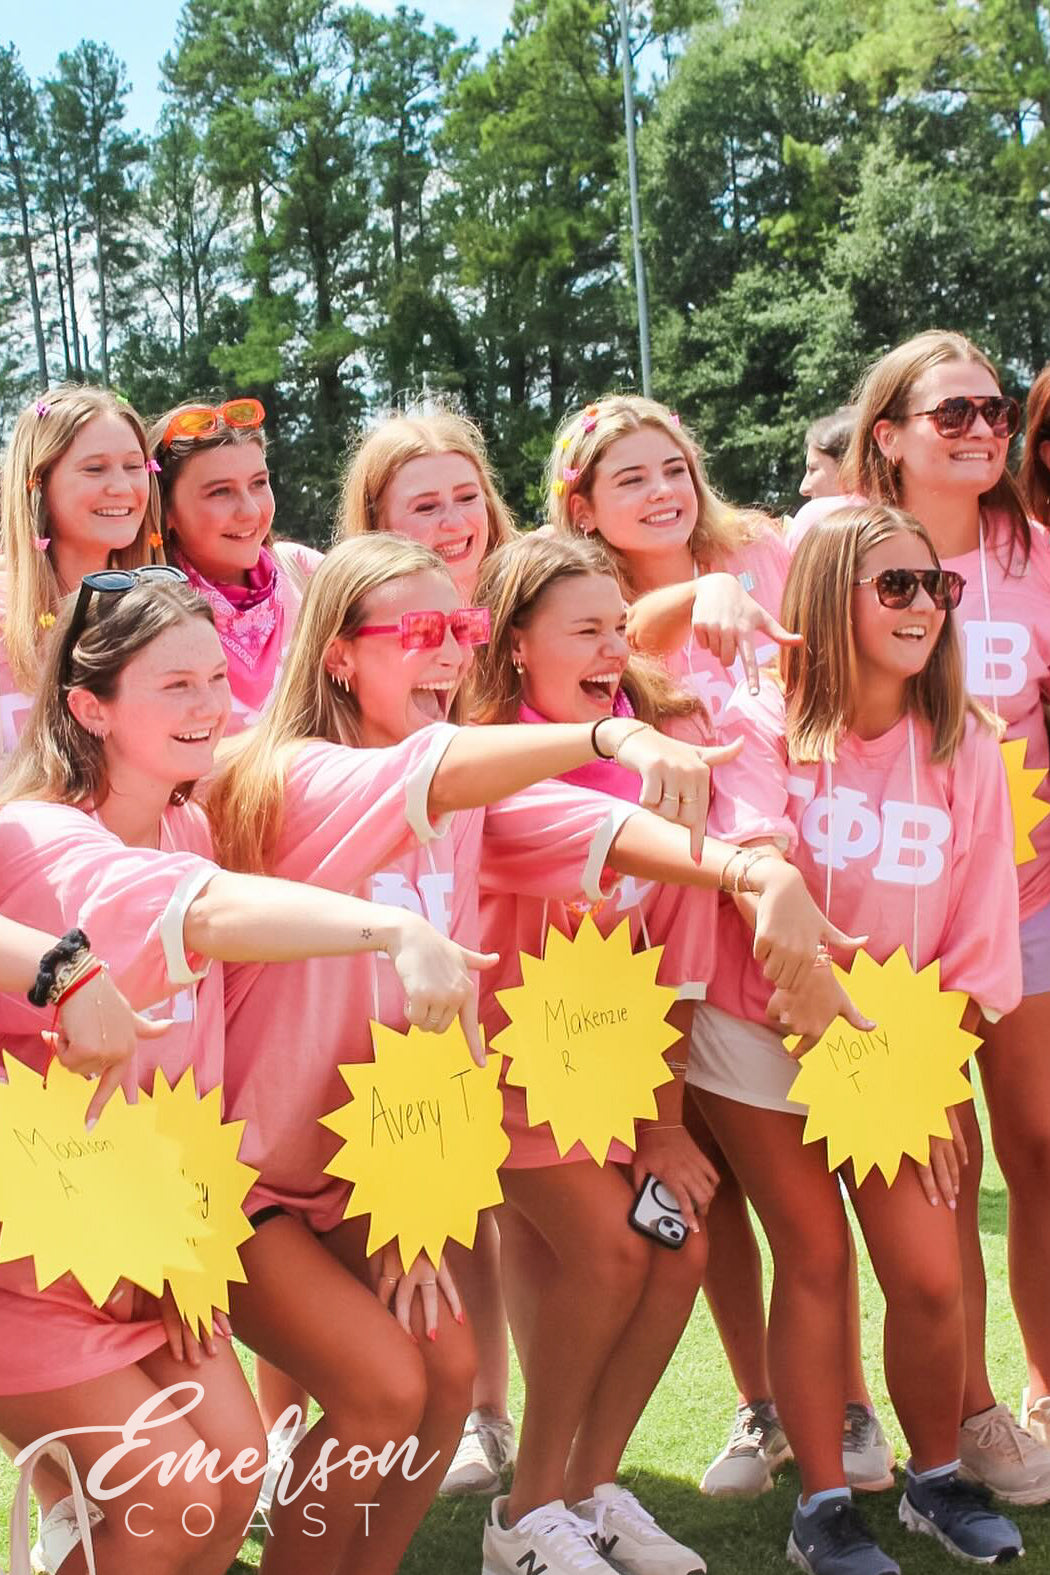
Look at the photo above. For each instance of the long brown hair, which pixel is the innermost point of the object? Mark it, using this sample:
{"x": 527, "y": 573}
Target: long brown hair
{"x": 1034, "y": 474}
{"x": 43, "y": 432}
{"x": 820, "y": 675}
{"x": 583, "y": 438}
{"x": 246, "y": 798}
{"x": 514, "y": 581}
{"x": 57, "y": 759}
{"x": 418, "y": 432}
{"x": 883, "y": 394}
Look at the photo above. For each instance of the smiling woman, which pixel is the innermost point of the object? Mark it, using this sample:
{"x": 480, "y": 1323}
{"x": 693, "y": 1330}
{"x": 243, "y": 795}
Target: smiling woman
{"x": 218, "y": 510}
{"x": 77, "y": 497}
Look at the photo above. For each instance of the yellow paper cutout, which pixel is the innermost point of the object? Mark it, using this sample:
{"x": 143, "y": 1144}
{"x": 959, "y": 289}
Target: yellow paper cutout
{"x": 586, "y": 1036}
{"x": 100, "y": 1205}
{"x": 219, "y": 1183}
{"x": 1028, "y": 811}
{"x": 880, "y": 1095}
{"x": 422, "y": 1140}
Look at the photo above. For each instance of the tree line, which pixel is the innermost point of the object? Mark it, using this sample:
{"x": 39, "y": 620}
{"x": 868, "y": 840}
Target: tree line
{"x": 337, "y": 207}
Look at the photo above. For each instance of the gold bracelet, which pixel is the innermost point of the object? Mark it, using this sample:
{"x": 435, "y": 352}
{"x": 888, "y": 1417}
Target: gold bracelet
{"x": 736, "y": 854}
{"x": 754, "y": 858}
{"x": 641, "y": 728}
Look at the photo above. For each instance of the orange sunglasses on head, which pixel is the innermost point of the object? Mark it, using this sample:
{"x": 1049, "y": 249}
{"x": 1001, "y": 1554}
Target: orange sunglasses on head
{"x": 200, "y": 421}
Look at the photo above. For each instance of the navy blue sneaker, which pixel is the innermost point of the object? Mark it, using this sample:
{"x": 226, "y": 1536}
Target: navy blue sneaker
{"x": 834, "y": 1540}
{"x": 959, "y": 1515}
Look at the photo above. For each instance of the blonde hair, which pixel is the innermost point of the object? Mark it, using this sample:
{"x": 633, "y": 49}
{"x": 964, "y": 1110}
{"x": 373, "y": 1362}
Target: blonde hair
{"x": 883, "y": 394}
{"x": 585, "y": 435}
{"x": 246, "y": 798}
{"x": 513, "y": 583}
{"x": 43, "y": 432}
{"x": 173, "y": 457}
{"x": 56, "y": 758}
{"x": 416, "y": 433}
{"x": 1034, "y": 474}
{"x": 820, "y": 675}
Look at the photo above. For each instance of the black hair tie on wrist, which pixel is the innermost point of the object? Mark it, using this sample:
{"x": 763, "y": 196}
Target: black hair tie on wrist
{"x": 594, "y": 740}
{"x": 71, "y": 944}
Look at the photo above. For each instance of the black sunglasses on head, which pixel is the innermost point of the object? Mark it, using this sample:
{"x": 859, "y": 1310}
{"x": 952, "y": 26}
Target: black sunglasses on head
{"x": 112, "y": 582}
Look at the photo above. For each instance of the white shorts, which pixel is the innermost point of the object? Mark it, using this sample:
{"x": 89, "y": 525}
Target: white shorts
{"x": 740, "y": 1060}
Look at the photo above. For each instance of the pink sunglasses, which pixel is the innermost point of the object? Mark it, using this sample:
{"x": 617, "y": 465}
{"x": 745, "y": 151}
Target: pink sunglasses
{"x": 425, "y": 631}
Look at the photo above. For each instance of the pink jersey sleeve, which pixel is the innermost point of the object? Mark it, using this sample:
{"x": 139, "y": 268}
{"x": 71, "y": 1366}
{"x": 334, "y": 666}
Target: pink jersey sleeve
{"x": 983, "y": 899}
{"x": 750, "y": 803}
{"x": 14, "y": 705}
{"x": 60, "y": 869}
{"x": 348, "y": 811}
{"x": 551, "y": 840}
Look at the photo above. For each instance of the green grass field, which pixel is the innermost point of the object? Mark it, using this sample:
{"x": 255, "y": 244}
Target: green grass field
{"x": 686, "y": 1423}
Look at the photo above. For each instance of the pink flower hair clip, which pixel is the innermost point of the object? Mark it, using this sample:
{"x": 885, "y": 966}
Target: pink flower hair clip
{"x": 570, "y": 473}
{"x": 153, "y": 466}
{"x": 41, "y": 543}
{"x": 42, "y": 408}
{"x": 676, "y": 418}
{"x": 590, "y": 418}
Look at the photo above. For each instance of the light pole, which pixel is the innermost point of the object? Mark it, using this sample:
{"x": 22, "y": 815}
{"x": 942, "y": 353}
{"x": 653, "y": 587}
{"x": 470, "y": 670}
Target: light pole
{"x": 636, "y": 211}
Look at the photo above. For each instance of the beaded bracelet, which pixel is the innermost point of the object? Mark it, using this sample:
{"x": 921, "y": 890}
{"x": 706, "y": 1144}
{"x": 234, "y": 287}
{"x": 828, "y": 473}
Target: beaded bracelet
{"x": 67, "y": 950}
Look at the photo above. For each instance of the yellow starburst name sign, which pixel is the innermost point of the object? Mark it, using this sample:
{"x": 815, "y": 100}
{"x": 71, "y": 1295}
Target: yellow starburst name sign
{"x": 586, "y": 1036}
{"x": 879, "y": 1095}
{"x": 219, "y": 1183}
{"x": 422, "y": 1140}
{"x": 1028, "y": 811}
{"x": 100, "y": 1205}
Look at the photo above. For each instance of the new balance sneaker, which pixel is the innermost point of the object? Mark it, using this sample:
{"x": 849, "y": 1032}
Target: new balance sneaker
{"x": 279, "y": 1445}
{"x": 867, "y": 1458}
{"x": 59, "y": 1535}
{"x": 550, "y": 1539}
{"x": 1002, "y": 1456}
{"x": 486, "y": 1448}
{"x": 756, "y": 1449}
{"x": 629, "y": 1538}
{"x": 959, "y": 1516}
{"x": 833, "y": 1540}
{"x": 1035, "y": 1417}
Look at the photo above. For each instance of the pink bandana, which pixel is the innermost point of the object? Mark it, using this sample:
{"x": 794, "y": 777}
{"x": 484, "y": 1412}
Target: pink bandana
{"x": 601, "y": 776}
{"x": 249, "y": 620}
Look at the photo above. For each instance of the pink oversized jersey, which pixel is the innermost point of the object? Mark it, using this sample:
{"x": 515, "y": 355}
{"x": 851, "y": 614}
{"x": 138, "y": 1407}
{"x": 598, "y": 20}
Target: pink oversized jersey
{"x": 356, "y": 821}
{"x": 60, "y": 869}
{"x": 15, "y": 706}
{"x": 681, "y": 919}
{"x": 931, "y": 858}
{"x": 761, "y": 567}
{"x": 1003, "y": 626}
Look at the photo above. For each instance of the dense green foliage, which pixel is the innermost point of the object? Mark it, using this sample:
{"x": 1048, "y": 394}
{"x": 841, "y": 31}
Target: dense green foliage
{"x": 339, "y": 207}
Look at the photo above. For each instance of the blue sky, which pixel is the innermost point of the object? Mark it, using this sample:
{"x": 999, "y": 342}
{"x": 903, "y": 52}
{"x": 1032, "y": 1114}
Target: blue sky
{"x": 140, "y": 32}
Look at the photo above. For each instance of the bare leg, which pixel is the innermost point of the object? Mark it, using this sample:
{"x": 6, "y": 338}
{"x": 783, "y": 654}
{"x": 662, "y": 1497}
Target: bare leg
{"x": 145, "y": 1529}
{"x": 801, "y": 1210}
{"x": 276, "y": 1392}
{"x": 915, "y": 1252}
{"x": 580, "y": 1210}
{"x": 1015, "y": 1071}
{"x": 479, "y": 1282}
{"x": 977, "y": 1391}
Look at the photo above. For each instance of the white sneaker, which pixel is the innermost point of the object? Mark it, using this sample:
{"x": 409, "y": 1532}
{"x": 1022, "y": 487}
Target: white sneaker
{"x": 628, "y": 1536}
{"x": 59, "y": 1535}
{"x": 487, "y": 1446}
{"x": 550, "y": 1539}
{"x": 279, "y": 1445}
{"x": 867, "y": 1458}
{"x": 757, "y": 1448}
{"x": 1035, "y": 1417}
{"x": 995, "y": 1451}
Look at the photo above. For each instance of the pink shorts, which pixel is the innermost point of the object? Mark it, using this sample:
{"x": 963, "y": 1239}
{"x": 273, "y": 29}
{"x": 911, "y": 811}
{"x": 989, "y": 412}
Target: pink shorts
{"x": 1035, "y": 952}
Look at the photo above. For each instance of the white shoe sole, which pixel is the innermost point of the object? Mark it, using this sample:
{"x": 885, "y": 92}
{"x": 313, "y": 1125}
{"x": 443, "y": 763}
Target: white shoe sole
{"x": 796, "y": 1556}
{"x": 776, "y": 1464}
{"x": 910, "y": 1517}
{"x": 1023, "y": 1496}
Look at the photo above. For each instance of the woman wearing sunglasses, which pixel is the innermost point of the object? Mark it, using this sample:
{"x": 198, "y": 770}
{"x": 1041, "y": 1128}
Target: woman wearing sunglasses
{"x": 933, "y": 433}
{"x": 217, "y": 513}
{"x": 353, "y": 779}
{"x": 97, "y": 827}
{"x": 77, "y": 495}
{"x": 870, "y": 768}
